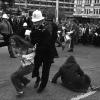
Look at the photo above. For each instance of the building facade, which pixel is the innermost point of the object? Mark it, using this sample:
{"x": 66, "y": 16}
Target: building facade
{"x": 87, "y": 9}
{"x": 66, "y": 7}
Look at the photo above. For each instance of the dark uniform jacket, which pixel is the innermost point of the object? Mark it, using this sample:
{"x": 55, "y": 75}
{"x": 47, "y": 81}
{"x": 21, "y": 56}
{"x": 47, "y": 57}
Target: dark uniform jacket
{"x": 42, "y": 38}
{"x": 5, "y": 28}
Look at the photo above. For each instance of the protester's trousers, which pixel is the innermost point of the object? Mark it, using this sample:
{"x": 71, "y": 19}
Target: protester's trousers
{"x": 18, "y": 78}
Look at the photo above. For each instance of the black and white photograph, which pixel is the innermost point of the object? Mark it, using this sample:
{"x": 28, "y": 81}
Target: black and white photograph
{"x": 49, "y": 49}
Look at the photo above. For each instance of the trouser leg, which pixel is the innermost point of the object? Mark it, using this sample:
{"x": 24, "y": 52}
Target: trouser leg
{"x": 18, "y": 78}
{"x": 45, "y": 76}
{"x": 72, "y": 43}
{"x": 37, "y": 64}
{"x": 16, "y": 81}
{"x": 24, "y": 80}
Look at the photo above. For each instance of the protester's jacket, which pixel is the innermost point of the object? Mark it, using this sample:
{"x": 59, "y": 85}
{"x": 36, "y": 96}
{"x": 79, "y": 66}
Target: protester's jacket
{"x": 70, "y": 70}
{"x": 6, "y": 28}
{"x": 27, "y": 59}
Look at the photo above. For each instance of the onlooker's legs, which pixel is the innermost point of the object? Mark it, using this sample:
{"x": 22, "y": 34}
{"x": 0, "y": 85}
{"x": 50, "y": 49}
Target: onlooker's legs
{"x": 37, "y": 64}
{"x": 7, "y": 43}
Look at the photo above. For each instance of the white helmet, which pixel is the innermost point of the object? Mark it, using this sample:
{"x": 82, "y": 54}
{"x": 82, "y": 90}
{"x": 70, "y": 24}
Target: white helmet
{"x": 5, "y": 16}
{"x": 37, "y": 16}
{"x": 25, "y": 24}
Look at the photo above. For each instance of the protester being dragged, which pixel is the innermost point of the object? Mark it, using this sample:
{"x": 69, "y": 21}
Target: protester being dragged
{"x": 26, "y": 52}
{"x": 72, "y": 76}
{"x": 44, "y": 53}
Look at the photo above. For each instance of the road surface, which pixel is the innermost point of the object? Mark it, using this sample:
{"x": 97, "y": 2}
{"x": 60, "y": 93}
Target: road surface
{"x": 87, "y": 56}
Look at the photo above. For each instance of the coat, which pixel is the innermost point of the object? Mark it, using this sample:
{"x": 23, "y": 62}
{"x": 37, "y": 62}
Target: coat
{"x": 70, "y": 71}
{"x": 42, "y": 38}
{"x": 6, "y": 28}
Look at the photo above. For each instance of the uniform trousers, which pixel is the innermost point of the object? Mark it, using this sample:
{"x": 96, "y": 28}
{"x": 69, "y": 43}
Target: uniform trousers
{"x": 45, "y": 62}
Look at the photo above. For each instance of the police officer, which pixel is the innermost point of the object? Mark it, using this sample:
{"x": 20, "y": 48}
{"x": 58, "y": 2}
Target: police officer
{"x": 42, "y": 38}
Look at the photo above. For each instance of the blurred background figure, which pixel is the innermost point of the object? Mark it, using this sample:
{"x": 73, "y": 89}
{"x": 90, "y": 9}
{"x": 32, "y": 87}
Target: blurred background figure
{"x": 6, "y": 31}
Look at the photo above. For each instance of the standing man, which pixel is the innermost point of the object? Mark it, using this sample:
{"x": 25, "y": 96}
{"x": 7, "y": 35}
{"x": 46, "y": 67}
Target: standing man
{"x": 6, "y": 31}
{"x": 44, "y": 56}
{"x": 53, "y": 28}
{"x": 72, "y": 36}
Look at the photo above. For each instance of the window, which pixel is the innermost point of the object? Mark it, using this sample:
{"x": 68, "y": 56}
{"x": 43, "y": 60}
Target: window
{"x": 79, "y": 2}
{"x": 96, "y": 11}
{"x": 43, "y": 3}
{"x": 87, "y": 11}
{"x": 96, "y": 1}
{"x": 61, "y": 4}
{"x": 88, "y": 1}
{"x": 61, "y": 0}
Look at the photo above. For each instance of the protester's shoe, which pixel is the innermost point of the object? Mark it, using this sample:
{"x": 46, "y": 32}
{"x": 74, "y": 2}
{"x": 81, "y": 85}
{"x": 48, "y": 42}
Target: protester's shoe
{"x": 71, "y": 50}
{"x": 20, "y": 93}
{"x": 37, "y": 82}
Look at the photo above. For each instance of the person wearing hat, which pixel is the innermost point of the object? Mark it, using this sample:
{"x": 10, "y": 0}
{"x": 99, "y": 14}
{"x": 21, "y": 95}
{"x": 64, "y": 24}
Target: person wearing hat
{"x": 42, "y": 38}
{"x": 6, "y": 31}
{"x": 22, "y": 30}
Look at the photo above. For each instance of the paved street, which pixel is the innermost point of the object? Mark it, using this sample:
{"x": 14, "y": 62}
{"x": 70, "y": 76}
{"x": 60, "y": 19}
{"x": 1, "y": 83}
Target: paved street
{"x": 87, "y": 56}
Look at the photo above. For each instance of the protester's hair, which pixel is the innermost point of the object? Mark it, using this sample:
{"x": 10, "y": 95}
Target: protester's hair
{"x": 21, "y": 42}
{"x": 71, "y": 59}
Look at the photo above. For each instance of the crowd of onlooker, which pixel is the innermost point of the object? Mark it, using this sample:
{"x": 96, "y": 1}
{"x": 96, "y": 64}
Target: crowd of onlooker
{"x": 86, "y": 34}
